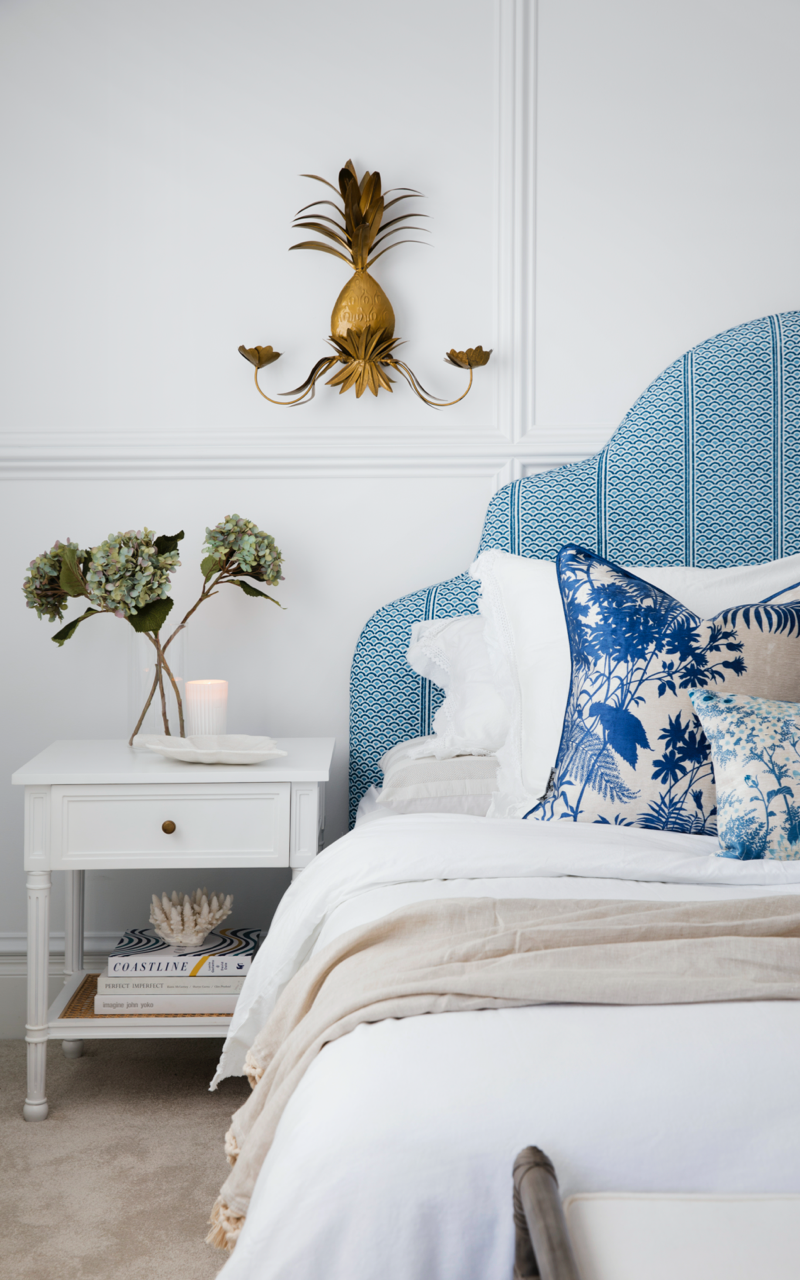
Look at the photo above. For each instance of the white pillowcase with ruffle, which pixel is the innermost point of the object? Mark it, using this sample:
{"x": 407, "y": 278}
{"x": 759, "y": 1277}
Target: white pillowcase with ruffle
{"x": 529, "y": 657}
{"x": 473, "y": 719}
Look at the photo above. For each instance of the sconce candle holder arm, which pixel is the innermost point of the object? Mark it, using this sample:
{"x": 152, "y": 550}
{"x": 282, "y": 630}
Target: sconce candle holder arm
{"x": 305, "y": 391}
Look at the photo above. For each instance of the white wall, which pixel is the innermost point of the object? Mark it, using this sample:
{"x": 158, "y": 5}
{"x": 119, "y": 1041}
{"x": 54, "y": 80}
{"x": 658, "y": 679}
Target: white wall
{"x": 151, "y": 155}
{"x": 607, "y": 185}
{"x": 667, "y": 189}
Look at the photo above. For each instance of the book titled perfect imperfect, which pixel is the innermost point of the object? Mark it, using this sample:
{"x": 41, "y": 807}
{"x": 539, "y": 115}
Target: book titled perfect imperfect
{"x": 226, "y": 952}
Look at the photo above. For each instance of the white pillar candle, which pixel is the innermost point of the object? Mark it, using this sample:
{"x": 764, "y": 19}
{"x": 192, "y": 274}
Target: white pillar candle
{"x": 207, "y": 706}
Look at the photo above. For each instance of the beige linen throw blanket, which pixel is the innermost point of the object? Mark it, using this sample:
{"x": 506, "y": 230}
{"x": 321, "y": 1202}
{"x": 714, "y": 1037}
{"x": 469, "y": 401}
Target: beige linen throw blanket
{"x": 487, "y": 953}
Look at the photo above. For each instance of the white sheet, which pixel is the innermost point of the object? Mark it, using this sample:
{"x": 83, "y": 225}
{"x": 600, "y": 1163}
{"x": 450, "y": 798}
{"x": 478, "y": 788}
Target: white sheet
{"x": 419, "y": 848}
{"x": 393, "y": 1158}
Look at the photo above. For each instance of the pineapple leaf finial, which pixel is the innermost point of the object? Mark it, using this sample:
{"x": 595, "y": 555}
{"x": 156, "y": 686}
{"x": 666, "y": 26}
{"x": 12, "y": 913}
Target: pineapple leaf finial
{"x": 361, "y": 213}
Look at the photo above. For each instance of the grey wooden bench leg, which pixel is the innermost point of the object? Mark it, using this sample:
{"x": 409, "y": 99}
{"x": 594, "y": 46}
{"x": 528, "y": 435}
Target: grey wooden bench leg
{"x": 543, "y": 1250}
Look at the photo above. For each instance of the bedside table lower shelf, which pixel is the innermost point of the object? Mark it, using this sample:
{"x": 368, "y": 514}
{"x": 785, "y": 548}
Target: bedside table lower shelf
{"x": 71, "y": 1016}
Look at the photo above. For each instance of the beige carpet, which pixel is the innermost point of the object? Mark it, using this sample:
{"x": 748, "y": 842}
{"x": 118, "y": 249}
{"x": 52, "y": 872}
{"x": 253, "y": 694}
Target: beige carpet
{"x": 119, "y": 1181}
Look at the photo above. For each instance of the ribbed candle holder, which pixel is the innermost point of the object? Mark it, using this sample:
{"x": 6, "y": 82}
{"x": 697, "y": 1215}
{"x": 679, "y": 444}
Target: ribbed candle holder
{"x": 207, "y": 706}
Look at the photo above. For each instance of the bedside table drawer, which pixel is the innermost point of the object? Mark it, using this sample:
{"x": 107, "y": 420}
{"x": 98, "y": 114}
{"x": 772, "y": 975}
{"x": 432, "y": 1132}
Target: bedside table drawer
{"x": 193, "y": 824}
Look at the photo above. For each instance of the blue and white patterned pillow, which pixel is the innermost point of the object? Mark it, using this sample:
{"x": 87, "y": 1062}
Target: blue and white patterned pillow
{"x": 632, "y": 751}
{"x": 755, "y": 745}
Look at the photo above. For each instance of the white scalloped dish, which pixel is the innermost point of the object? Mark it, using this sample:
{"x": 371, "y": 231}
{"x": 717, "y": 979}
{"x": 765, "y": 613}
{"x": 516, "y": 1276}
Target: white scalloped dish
{"x": 205, "y": 748}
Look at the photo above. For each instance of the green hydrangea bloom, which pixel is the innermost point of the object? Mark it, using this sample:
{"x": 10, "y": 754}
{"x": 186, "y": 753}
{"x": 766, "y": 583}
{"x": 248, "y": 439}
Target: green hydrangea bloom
{"x": 242, "y": 548}
{"x": 41, "y": 588}
{"x": 126, "y": 572}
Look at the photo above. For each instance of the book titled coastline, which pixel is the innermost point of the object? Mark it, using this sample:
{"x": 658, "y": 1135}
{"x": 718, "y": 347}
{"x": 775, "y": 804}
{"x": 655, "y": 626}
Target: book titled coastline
{"x": 224, "y": 953}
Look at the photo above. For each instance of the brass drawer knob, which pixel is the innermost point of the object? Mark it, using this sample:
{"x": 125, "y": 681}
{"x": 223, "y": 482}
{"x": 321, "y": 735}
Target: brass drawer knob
{"x": 168, "y": 827}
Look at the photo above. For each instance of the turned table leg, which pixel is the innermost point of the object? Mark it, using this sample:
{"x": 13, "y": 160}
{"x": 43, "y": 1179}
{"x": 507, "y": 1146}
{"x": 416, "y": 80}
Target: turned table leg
{"x": 38, "y": 964}
{"x": 73, "y": 943}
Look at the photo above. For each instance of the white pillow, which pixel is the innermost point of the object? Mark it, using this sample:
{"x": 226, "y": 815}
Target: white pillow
{"x": 526, "y": 637}
{"x": 458, "y": 784}
{"x": 452, "y": 653}
{"x": 370, "y": 808}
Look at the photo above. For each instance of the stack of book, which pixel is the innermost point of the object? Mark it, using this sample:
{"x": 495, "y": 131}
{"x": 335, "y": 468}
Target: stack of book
{"x": 146, "y": 975}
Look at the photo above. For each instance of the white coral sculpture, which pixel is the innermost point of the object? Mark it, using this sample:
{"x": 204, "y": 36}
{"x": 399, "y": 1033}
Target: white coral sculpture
{"x": 185, "y": 922}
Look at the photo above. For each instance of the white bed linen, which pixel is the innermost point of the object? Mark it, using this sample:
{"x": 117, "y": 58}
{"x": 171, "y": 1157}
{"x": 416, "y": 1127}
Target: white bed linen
{"x": 393, "y": 1158}
{"x": 415, "y": 848}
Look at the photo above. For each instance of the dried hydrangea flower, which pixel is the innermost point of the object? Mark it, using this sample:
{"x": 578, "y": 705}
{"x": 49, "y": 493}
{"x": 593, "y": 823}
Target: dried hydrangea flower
{"x": 240, "y": 547}
{"x": 127, "y": 571}
{"x": 42, "y": 587}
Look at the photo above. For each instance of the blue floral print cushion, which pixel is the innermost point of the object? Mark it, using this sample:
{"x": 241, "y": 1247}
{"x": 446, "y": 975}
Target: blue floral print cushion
{"x": 632, "y": 749}
{"x": 755, "y": 746}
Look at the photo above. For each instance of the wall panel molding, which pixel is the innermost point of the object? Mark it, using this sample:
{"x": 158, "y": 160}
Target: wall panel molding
{"x": 147, "y": 455}
{"x": 508, "y": 448}
{"x": 515, "y": 216}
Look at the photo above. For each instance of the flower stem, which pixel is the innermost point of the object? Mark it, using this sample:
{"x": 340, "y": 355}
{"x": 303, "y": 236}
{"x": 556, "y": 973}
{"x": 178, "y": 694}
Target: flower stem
{"x": 160, "y": 678}
{"x": 175, "y": 688}
{"x": 145, "y": 708}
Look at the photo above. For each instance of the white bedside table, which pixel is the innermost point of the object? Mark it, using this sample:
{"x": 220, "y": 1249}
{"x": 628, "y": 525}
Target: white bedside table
{"x": 102, "y": 804}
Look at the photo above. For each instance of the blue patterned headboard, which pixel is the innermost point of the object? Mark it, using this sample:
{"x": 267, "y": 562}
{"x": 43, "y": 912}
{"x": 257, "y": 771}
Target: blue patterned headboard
{"x": 703, "y": 470}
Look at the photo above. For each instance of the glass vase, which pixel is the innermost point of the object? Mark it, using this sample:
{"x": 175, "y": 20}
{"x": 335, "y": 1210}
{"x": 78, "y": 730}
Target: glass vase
{"x": 156, "y": 683}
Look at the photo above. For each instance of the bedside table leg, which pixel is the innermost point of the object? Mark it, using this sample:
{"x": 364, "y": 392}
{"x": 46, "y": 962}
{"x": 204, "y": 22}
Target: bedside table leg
{"x": 73, "y": 943}
{"x": 38, "y": 963}
{"x": 73, "y": 930}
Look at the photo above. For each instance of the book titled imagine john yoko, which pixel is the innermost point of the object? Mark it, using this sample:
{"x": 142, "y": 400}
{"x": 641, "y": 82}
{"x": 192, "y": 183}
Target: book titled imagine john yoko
{"x": 224, "y": 953}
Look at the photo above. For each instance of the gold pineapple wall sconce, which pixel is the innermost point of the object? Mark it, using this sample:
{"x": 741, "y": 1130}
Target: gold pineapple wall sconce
{"x": 362, "y": 322}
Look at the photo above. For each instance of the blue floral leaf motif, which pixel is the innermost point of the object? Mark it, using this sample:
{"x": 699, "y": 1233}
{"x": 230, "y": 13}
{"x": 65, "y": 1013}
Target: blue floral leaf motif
{"x": 624, "y": 731}
{"x": 779, "y": 791}
{"x": 793, "y": 826}
{"x": 594, "y": 764}
{"x": 669, "y": 768}
{"x": 695, "y": 749}
{"x": 682, "y": 638}
{"x": 779, "y": 618}
{"x": 675, "y": 732}
{"x": 736, "y": 665}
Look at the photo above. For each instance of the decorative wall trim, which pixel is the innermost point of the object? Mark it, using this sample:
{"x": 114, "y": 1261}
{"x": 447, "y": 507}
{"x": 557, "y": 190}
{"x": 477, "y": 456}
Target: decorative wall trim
{"x": 304, "y": 454}
{"x": 516, "y": 216}
{"x": 371, "y": 451}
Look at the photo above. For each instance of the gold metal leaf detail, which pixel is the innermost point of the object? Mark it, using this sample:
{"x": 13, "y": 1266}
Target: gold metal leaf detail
{"x": 363, "y": 352}
{"x": 472, "y": 358}
{"x": 361, "y": 211}
{"x": 260, "y": 356}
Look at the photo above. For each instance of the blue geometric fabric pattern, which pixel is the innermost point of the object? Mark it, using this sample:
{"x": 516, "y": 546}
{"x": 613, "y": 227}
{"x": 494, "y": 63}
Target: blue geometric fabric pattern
{"x": 703, "y": 470}
{"x": 755, "y": 743}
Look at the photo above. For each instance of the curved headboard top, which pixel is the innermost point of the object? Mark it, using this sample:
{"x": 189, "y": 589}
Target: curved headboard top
{"x": 703, "y": 470}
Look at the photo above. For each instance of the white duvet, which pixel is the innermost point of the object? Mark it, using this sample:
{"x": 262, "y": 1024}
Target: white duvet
{"x": 393, "y": 1158}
